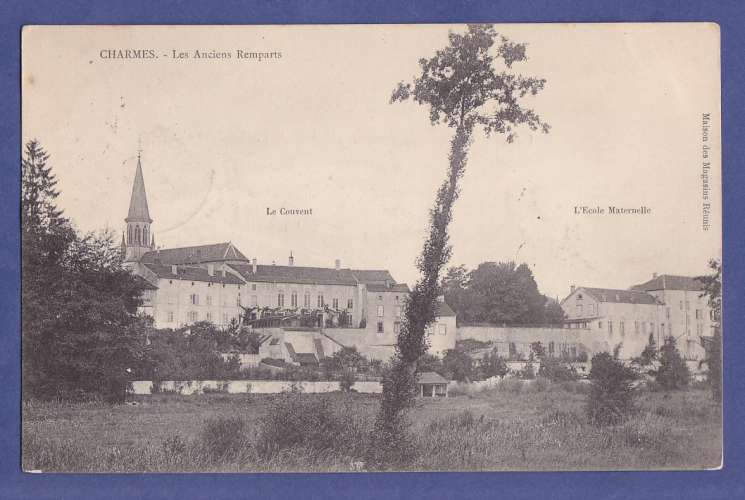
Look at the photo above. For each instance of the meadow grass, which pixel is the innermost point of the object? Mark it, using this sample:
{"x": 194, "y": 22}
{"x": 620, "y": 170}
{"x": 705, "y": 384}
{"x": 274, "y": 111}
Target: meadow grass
{"x": 538, "y": 426}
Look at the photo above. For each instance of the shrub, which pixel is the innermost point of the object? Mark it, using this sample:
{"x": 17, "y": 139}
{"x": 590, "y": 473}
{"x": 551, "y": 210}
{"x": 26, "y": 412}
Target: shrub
{"x": 297, "y": 420}
{"x": 223, "y": 437}
{"x": 611, "y": 395}
{"x": 173, "y": 447}
{"x": 527, "y": 373}
{"x": 673, "y": 372}
{"x": 556, "y": 371}
{"x": 347, "y": 380}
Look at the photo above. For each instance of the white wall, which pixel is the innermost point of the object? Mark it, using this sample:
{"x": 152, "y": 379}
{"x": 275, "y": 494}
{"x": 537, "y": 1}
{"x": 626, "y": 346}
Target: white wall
{"x": 191, "y": 387}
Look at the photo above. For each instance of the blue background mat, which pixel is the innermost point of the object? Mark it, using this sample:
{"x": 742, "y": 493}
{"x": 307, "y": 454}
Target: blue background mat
{"x": 727, "y": 483}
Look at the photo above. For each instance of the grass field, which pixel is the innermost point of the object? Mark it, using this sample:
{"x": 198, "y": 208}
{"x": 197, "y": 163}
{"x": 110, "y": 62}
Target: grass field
{"x": 511, "y": 427}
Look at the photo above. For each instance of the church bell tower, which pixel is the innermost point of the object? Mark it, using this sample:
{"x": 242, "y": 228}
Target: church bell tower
{"x": 138, "y": 239}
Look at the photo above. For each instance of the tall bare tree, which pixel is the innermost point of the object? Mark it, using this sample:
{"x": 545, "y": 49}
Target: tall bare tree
{"x": 465, "y": 90}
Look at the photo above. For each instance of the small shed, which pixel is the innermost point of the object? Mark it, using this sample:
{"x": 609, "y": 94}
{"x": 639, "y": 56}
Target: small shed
{"x": 432, "y": 385}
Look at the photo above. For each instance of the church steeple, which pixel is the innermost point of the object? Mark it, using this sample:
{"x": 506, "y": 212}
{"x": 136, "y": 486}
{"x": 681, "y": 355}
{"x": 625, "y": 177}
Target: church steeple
{"x": 138, "y": 237}
{"x": 138, "y": 211}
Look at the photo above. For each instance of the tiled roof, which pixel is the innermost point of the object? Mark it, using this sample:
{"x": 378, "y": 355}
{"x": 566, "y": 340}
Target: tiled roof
{"x": 371, "y": 276}
{"x": 277, "y": 363}
{"x": 670, "y": 282}
{"x": 145, "y": 284}
{"x": 218, "y": 252}
{"x": 193, "y": 273}
{"x": 394, "y": 287}
{"x": 430, "y": 378}
{"x": 296, "y": 274}
{"x": 620, "y": 296}
{"x": 443, "y": 309}
{"x": 306, "y": 358}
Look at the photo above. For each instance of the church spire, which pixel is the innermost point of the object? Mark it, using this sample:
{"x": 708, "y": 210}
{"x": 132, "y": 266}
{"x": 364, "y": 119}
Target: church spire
{"x": 138, "y": 239}
{"x": 138, "y": 211}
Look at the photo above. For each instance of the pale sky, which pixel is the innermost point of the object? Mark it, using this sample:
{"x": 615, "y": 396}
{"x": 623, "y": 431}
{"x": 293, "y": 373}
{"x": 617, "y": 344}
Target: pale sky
{"x": 223, "y": 140}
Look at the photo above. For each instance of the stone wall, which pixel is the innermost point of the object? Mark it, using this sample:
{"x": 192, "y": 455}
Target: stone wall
{"x": 191, "y": 387}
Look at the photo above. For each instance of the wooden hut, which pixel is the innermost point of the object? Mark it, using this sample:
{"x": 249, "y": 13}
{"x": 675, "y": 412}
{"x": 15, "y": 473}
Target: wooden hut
{"x": 432, "y": 385}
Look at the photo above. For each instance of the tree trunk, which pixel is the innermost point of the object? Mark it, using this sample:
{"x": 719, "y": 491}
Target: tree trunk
{"x": 399, "y": 387}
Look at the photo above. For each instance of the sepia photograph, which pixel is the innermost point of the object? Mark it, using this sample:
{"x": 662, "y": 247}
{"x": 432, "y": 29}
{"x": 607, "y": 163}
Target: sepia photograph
{"x": 367, "y": 248}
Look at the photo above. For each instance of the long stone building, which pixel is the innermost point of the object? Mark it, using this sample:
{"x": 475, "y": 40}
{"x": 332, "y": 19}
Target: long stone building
{"x": 218, "y": 283}
{"x": 665, "y": 306}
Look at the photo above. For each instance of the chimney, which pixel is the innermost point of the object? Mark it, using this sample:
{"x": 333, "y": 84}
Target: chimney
{"x": 654, "y": 275}
{"x": 337, "y": 264}
{"x": 211, "y": 269}
{"x": 174, "y": 269}
{"x": 291, "y": 260}
{"x": 253, "y": 265}
{"x": 572, "y": 289}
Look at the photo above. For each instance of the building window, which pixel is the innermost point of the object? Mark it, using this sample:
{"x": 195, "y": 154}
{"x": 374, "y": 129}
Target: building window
{"x": 380, "y": 297}
{"x": 698, "y": 313}
{"x": 280, "y": 299}
{"x": 397, "y": 327}
{"x": 395, "y": 299}
{"x": 380, "y": 327}
{"x": 209, "y": 316}
{"x": 669, "y": 329}
{"x": 238, "y": 299}
{"x": 320, "y": 300}
{"x": 667, "y": 312}
{"x": 293, "y": 300}
{"x": 513, "y": 350}
{"x": 380, "y": 311}
{"x": 193, "y": 316}
{"x": 306, "y": 301}
{"x": 253, "y": 286}
{"x": 170, "y": 316}
{"x": 350, "y": 304}
{"x": 194, "y": 299}
{"x": 137, "y": 235}
{"x": 579, "y": 309}
{"x": 225, "y": 318}
{"x": 610, "y": 326}
{"x": 442, "y": 329}
{"x": 600, "y": 325}
{"x": 335, "y": 303}
{"x": 209, "y": 300}
{"x": 398, "y": 311}
{"x": 621, "y": 328}
{"x": 254, "y": 300}
{"x": 551, "y": 348}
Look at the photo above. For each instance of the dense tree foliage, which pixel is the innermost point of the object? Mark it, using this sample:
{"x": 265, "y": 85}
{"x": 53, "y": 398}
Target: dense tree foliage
{"x": 611, "y": 397}
{"x": 498, "y": 293}
{"x": 81, "y": 334}
{"x": 673, "y": 372}
{"x": 463, "y": 88}
{"x": 713, "y": 345}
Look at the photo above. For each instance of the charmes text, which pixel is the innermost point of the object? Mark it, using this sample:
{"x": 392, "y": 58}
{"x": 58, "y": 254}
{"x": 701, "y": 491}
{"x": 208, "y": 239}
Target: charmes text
{"x": 611, "y": 210}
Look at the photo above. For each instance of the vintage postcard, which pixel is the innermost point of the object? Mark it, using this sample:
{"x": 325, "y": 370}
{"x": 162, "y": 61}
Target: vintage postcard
{"x": 371, "y": 247}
